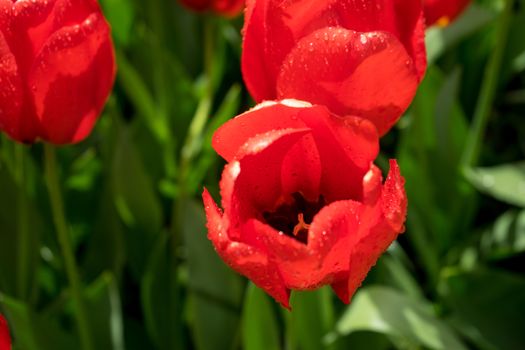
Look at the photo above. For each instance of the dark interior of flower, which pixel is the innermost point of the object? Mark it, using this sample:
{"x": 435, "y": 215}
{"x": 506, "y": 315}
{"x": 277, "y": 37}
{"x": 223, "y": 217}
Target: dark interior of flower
{"x": 294, "y": 217}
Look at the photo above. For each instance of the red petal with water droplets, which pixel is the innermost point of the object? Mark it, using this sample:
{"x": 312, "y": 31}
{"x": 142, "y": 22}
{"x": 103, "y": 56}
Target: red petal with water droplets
{"x": 369, "y": 75}
{"x": 380, "y": 225}
{"x": 334, "y": 157}
{"x": 273, "y": 28}
{"x": 242, "y": 257}
{"x": 71, "y": 78}
{"x": 11, "y": 92}
{"x": 263, "y": 118}
{"x": 65, "y": 64}
{"x": 325, "y": 258}
{"x": 347, "y": 147}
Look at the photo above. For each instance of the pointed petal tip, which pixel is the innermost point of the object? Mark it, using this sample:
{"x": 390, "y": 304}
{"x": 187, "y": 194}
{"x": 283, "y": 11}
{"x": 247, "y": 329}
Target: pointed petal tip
{"x": 394, "y": 198}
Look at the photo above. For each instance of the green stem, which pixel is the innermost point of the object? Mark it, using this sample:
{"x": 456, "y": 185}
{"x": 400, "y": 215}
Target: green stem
{"x": 66, "y": 246}
{"x": 289, "y": 334}
{"x": 24, "y": 238}
{"x": 489, "y": 88}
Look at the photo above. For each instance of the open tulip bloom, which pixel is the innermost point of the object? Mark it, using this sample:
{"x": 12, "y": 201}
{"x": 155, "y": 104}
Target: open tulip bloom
{"x": 57, "y": 69}
{"x": 302, "y": 203}
{"x": 357, "y": 57}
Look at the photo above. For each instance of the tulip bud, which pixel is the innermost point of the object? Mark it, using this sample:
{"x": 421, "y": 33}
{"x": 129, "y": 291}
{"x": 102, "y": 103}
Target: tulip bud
{"x": 57, "y": 68}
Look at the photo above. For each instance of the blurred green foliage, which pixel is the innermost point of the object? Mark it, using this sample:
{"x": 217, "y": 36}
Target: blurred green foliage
{"x": 455, "y": 280}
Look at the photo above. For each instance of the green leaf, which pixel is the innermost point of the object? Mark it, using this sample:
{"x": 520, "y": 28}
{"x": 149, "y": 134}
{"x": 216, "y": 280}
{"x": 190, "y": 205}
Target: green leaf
{"x": 106, "y": 247}
{"x": 42, "y": 330}
{"x": 227, "y": 110}
{"x": 105, "y": 313}
{"x": 438, "y": 39}
{"x": 504, "y": 182}
{"x": 391, "y": 271}
{"x": 135, "y": 196}
{"x": 429, "y": 155}
{"x": 141, "y": 97}
{"x": 505, "y": 238}
{"x": 161, "y": 298}
{"x": 35, "y": 331}
{"x": 215, "y": 290}
{"x": 260, "y": 330}
{"x": 491, "y": 301}
{"x": 366, "y": 340}
{"x": 136, "y": 201}
{"x": 312, "y": 318}
{"x": 515, "y": 51}
{"x": 385, "y": 310}
{"x": 120, "y": 14}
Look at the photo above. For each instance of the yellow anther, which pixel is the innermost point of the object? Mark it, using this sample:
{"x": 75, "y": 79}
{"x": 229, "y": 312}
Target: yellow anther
{"x": 301, "y": 225}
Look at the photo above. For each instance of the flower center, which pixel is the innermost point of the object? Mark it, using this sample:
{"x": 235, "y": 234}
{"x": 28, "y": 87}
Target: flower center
{"x": 294, "y": 218}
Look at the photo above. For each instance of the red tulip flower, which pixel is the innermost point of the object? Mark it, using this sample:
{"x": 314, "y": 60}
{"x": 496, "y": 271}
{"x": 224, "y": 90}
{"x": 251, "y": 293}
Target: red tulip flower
{"x": 442, "y": 12}
{"x": 302, "y": 204}
{"x": 57, "y": 68}
{"x": 357, "y": 57}
{"x": 5, "y": 338}
{"x": 226, "y": 8}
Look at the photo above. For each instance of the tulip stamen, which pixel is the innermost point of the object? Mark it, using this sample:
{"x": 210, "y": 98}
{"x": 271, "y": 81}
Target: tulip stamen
{"x": 443, "y": 21}
{"x": 301, "y": 225}
{"x": 294, "y": 216}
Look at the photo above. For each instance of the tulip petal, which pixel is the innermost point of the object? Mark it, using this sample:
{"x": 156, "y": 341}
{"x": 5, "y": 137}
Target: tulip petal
{"x": 273, "y": 28}
{"x": 259, "y": 80}
{"x": 347, "y": 147}
{"x": 331, "y": 234}
{"x": 83, "y": 82}
{"x": 228, "y": 8}
{"x": 325, "y": 258}
{"x": 5, "y": 338}
{"x": 243, "y": 258}
{"x": 346, "y": 71}
{"x": 402, "y": 18}
{"x": 335, "y": 139}
{"x": 31, "y": 13}
{"x": 379, "y": 226}
{"x": 11, "y": 93}
{"x": 262, "y": 118}
{"x": 394, "y": 200}
{"x": 260, "y": 164}
{"x": 301, "y": 169}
